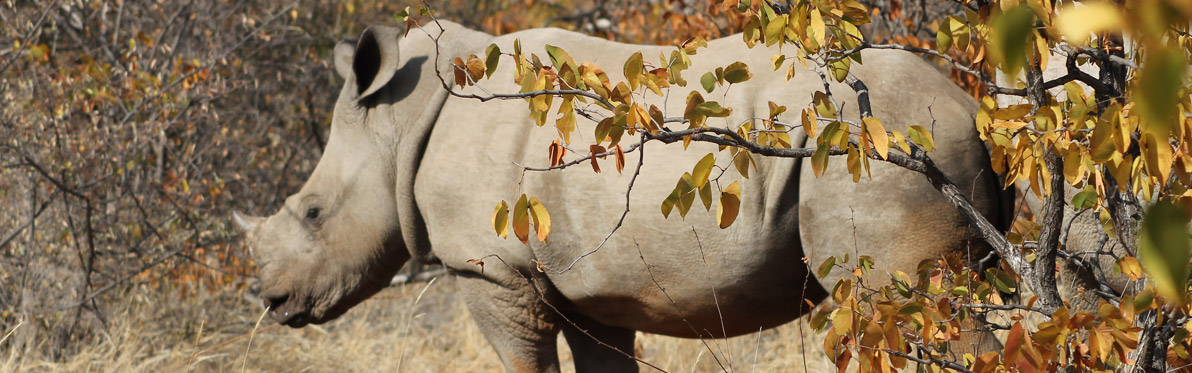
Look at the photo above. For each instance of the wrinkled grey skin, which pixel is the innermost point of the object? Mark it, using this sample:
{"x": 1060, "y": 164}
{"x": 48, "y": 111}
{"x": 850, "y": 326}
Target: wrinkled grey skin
{"x": 410, "y": 172}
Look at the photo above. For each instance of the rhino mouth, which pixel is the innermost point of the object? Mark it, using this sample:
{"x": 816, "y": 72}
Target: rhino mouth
{"x": 287, "y": 311}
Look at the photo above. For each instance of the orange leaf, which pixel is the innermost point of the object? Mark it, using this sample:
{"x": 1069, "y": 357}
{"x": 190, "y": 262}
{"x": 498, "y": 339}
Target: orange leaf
{"x": 541, "y": 218}
{"x": 620, "y": 156}
{"x": 521, "y": 219}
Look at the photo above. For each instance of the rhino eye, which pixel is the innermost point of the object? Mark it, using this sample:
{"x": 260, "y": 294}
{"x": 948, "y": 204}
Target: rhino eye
{"x": 312, "y": 213}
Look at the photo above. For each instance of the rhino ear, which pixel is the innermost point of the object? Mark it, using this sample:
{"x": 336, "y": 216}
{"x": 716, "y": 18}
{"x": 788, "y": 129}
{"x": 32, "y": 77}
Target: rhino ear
{"x": 343, "y": 58}
{"x": 246, "y": 223}
{"x": 375, "y": 59}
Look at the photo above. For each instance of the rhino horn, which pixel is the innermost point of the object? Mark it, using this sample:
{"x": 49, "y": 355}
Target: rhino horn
{"x": 371, "y": 61}
{"x": 246, "y": 223}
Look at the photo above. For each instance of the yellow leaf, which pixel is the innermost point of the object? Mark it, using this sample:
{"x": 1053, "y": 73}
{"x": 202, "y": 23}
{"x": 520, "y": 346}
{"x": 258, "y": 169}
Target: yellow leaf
{"x": 921, "y": 136}
{"x": 742, "y": 160}
{"x": 774, "y": 28}
{"x": 877, "y": 134}
{"x": 1013, "y": 126}
{"x": 705, "y": 196}
{"x": 819, "y": 160}
{"x": 1045, "y": 119}
{"x": 809, "y": 122}
{"x": 943, "y": 36}
{"x": 699, "y": 174}
{"x": 818, "y": 28}
{"x": 823, "y": 106}
{"x": 1158, "y": 157}
{"x": 960, "y": 33}
{"x": 730, "y": 205}
{"x": 854, "y": 163}
{"x": 669, "y": 203}
{"x": 1012, "y": 112}
{"x": 566, "y": 123}
{"x": 839, "y": 68}
{"x": 1074, "y": 169}
{"x": 900, "y": 141}
{"x": 521, "y": 219}
{"x": 1130, "y": 267}
{"x": 1078, "y": 22}
{"x": 541, "y": 218}
{"x": 633, "y": 70}
{"x": 501, "y": 219}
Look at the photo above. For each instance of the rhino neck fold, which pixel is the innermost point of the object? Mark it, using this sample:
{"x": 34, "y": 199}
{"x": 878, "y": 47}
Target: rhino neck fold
{"x": 409, "y": 156}
{"x": 427, "y": 99}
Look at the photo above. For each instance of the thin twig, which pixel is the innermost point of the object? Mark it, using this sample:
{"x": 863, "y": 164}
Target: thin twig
{"x": 641, "y": 159}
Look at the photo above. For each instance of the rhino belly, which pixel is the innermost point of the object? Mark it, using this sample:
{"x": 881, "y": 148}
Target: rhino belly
{"x": 729, "y": 291}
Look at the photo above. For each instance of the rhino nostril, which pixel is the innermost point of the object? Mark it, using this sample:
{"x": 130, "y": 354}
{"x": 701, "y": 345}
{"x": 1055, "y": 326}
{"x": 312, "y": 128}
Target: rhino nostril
{"x": 274, "y": 300}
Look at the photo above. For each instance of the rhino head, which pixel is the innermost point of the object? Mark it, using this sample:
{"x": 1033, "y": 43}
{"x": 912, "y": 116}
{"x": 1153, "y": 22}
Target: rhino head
{"x": 338, "y": 240}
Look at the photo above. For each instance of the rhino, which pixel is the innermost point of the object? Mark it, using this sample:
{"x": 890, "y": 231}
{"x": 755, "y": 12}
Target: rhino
{"x": 411, "y": 172}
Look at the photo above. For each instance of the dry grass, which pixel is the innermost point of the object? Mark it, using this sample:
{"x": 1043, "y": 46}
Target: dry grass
{"x": 398, "y": 329}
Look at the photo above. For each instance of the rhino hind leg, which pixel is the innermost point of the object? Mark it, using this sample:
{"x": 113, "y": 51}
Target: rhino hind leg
{"x": 592, "y": 346}
{"x": 519, "y": 326}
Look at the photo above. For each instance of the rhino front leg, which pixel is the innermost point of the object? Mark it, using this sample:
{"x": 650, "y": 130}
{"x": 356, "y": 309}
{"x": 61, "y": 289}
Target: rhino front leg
{"x": 585, "y": 338}
{"x": 522, "y": 329}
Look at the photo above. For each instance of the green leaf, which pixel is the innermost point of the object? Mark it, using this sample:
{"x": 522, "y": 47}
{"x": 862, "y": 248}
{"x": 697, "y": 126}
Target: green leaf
{"x": 708, "y": 80}
{"x": 1086, "y": 198}
{"x": 826, "y": 267}
{"x": 560, "y": 58}
{"x": 1158, "y": 91}
{"x": 1163, "y": 249}
{"x": 910, "y": 308}
{"x": 404, "y": 15}
{"x": 1012, "y": 31}
{"x": 713, "y": 109}
{"x": 492, "y": 56}
{"x": 737, "y": 72}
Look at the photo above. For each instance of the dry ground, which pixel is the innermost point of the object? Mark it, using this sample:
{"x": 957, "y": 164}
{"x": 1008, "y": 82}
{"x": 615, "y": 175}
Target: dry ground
{"x": 394, "y": 331}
